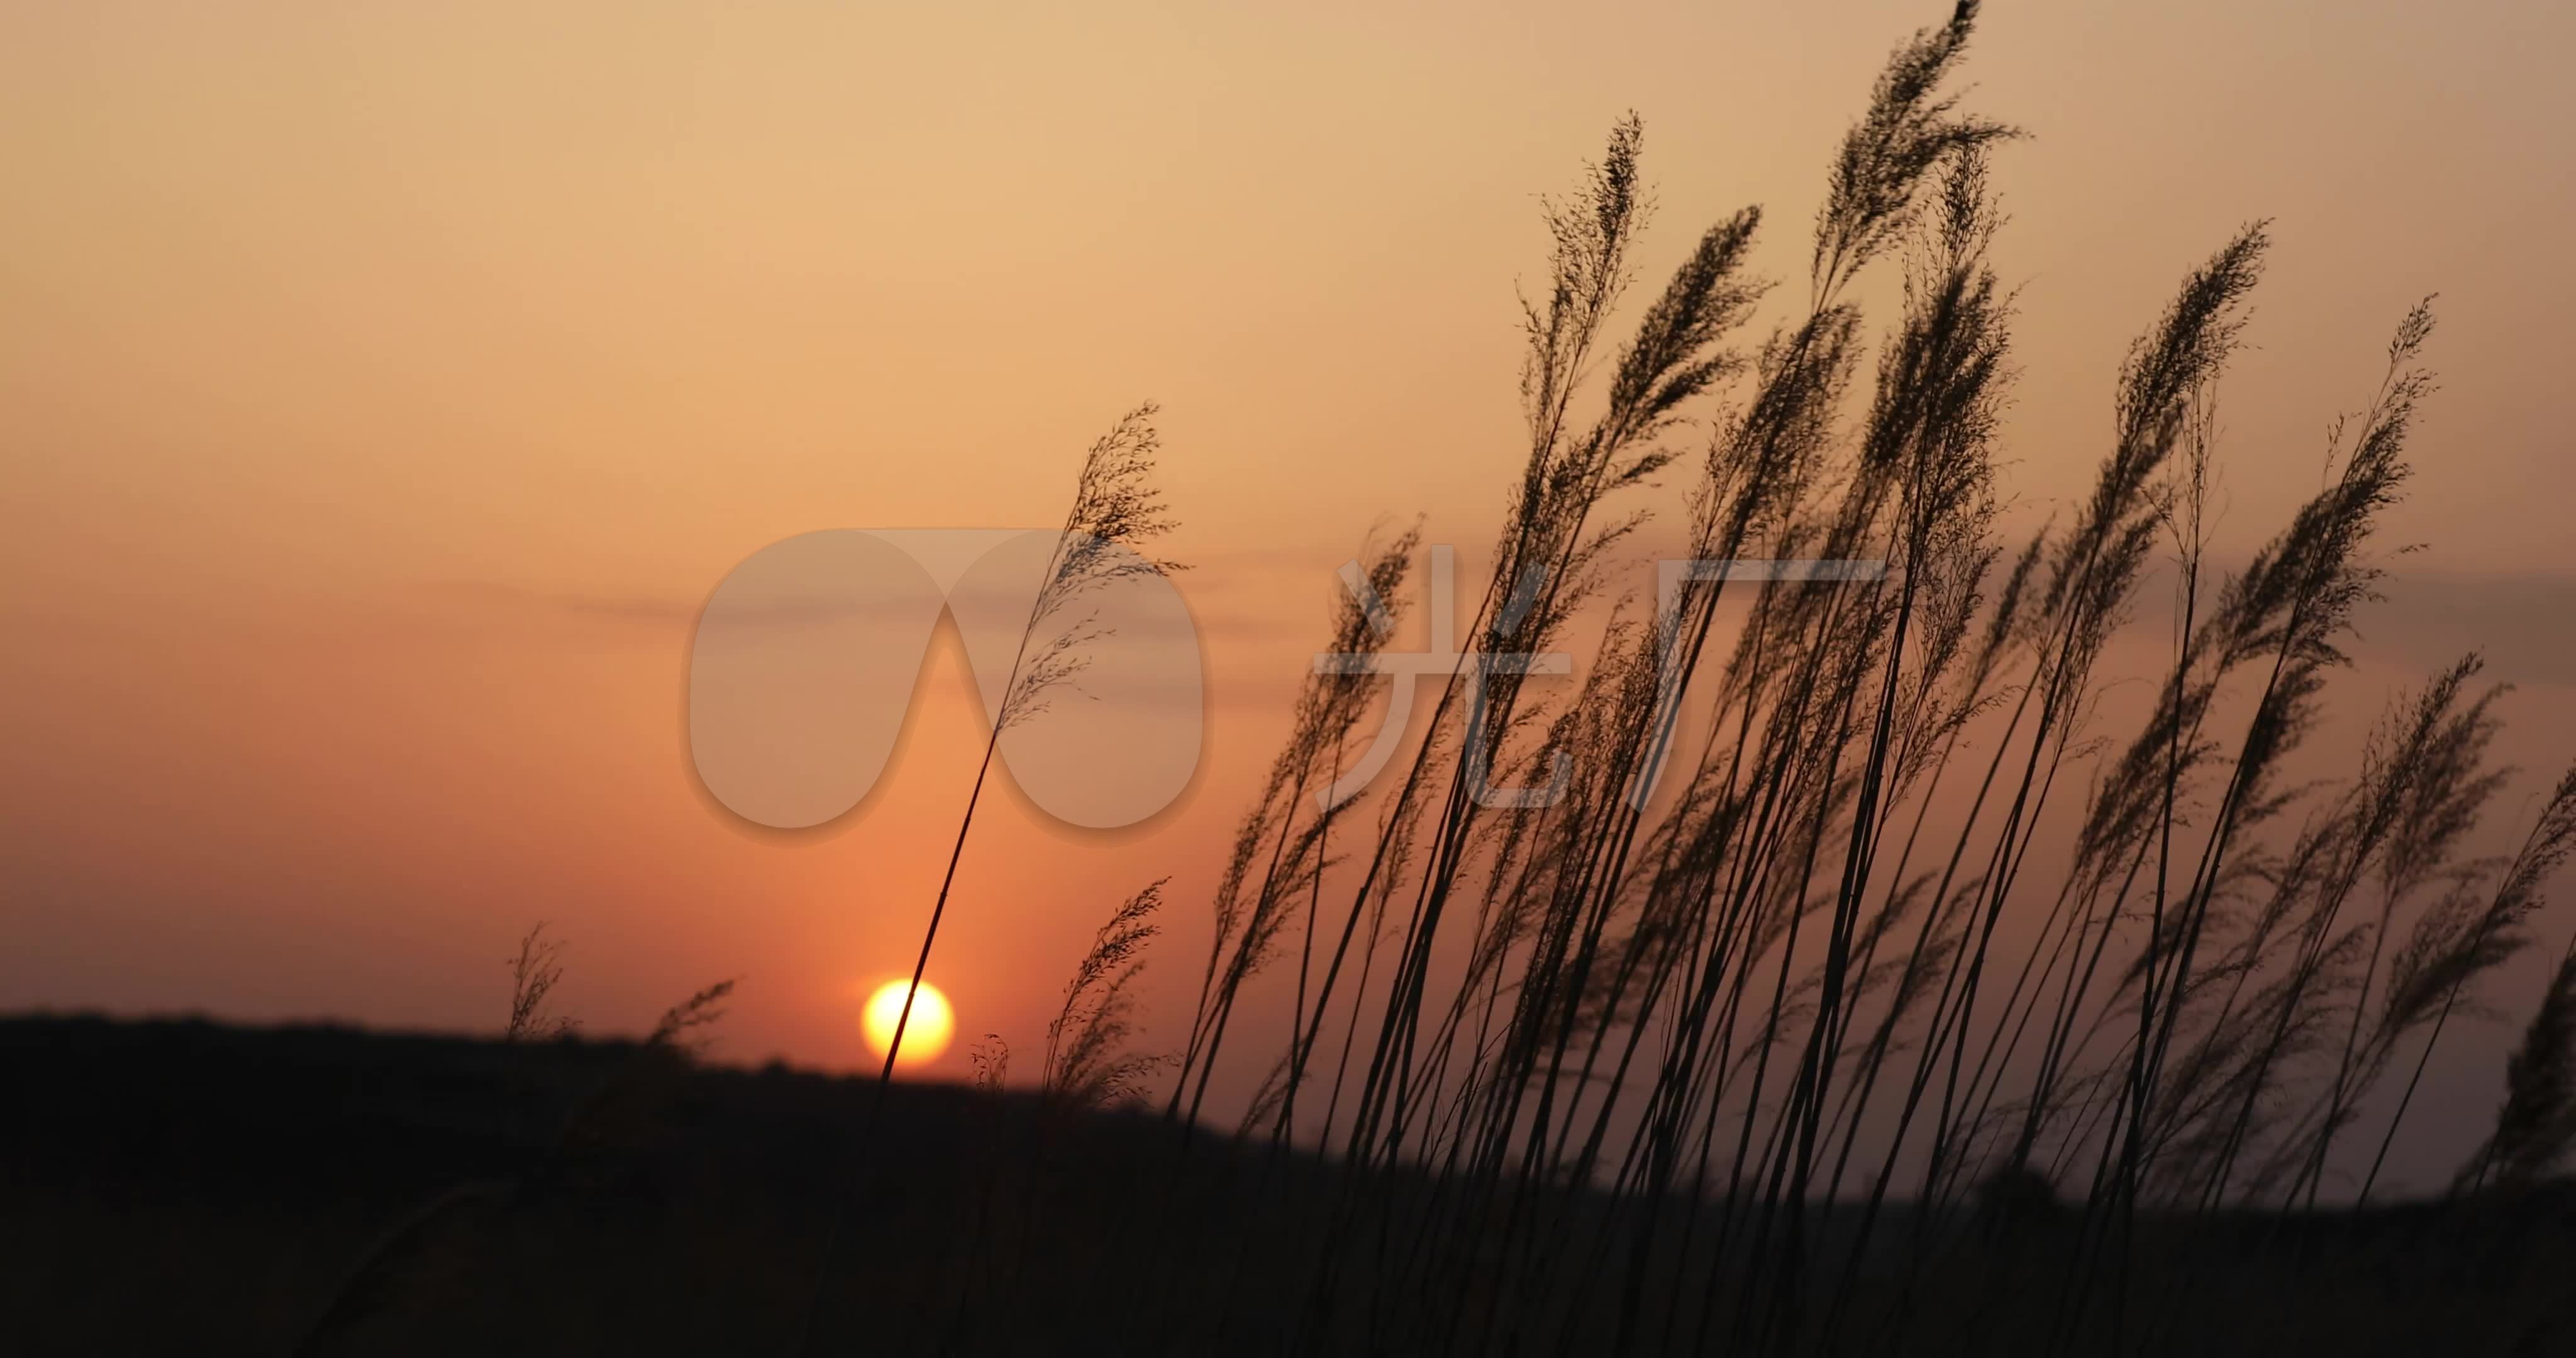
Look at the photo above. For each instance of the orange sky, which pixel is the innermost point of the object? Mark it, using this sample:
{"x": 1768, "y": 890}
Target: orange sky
{"x": 382, "y": 386}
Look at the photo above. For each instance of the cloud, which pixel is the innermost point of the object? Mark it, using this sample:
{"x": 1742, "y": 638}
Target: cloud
{"x": 2522, "y": 622}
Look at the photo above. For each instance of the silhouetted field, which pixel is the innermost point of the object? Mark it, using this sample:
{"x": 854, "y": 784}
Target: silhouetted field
{"x": 1928, "y": 1007}
{"x": 181, "y": 1187}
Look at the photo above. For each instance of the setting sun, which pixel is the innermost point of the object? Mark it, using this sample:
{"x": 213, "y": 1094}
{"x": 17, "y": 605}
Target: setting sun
{"x": 925, "y": 1035}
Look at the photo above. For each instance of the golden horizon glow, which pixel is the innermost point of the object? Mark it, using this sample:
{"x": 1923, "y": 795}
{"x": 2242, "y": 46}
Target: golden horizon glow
{"x": 387, "y": 387}
{"x": 925, "y": 1034}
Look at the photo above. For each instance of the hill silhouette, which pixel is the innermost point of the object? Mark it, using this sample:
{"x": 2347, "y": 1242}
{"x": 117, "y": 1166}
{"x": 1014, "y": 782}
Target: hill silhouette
{"x": 182, "y": 1186}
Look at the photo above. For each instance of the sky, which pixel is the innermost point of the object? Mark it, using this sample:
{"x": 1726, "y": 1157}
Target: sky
{"x": 385, "y": 388}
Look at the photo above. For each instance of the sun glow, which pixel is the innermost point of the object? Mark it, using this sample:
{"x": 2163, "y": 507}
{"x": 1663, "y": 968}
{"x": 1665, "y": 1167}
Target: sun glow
{"x": 925, "y": 1035}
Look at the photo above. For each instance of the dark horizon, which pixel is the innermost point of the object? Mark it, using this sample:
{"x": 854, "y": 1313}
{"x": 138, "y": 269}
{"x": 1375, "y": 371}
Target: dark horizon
{"x": 1910, "y": 697}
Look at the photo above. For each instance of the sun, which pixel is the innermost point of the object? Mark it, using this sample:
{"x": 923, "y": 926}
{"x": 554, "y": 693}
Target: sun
{"x": 925, "y": 1035}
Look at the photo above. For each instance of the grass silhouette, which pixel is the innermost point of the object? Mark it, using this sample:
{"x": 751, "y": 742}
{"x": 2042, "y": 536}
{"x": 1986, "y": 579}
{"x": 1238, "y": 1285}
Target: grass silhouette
{"x": 1770, "y": 1027}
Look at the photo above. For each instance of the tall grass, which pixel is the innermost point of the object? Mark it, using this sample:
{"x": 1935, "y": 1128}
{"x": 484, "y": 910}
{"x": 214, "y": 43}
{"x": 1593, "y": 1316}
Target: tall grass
{"x": 1116, "y": 515}
{"x": 1744, "y": 993}
{"x": 534, "y": 974}
{"x": 1116, "y": 511}
{"x": 1642, "y": 1032}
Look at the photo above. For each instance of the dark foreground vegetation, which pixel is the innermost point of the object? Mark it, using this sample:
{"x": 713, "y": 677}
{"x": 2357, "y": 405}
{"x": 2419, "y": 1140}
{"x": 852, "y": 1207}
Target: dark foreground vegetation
{"x": 1853, "y": 963}
{"x": 179, "y": 1187}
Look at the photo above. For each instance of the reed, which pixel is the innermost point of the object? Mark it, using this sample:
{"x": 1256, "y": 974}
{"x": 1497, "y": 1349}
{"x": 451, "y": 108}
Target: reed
{"x": 1849, "y": 944}
{"x": 1708, "y": 1008}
